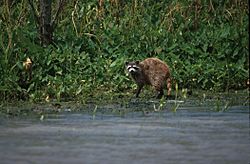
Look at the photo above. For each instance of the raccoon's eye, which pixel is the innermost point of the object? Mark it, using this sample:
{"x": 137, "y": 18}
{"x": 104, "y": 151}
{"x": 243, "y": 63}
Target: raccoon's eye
{"x": 128, "y": 67}
{"x": 135, "y": 67}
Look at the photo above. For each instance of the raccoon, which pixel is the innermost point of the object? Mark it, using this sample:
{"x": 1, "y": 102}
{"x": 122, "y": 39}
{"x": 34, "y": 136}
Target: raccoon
{"x": 151, "y": 71}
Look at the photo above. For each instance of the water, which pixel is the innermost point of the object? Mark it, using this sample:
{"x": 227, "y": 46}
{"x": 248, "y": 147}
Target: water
{"x": 190, "y": 135}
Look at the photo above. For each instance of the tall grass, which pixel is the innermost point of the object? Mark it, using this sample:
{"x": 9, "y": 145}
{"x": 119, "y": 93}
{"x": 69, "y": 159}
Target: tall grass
{"x": 205, "y": 44}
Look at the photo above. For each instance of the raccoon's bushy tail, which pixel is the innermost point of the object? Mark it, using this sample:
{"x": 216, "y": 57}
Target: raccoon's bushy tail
{"x": 169, "y": 86}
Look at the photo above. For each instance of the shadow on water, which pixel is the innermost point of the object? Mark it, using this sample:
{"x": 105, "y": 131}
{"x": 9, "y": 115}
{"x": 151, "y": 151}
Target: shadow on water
{"x": 133, "y": 132}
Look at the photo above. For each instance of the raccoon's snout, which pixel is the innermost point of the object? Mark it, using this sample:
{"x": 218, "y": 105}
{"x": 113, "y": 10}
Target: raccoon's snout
{"x": 133, "y": 69}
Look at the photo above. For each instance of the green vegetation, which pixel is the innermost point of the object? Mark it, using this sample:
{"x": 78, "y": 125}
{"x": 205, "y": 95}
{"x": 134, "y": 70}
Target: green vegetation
{"x": 205, "y": 43}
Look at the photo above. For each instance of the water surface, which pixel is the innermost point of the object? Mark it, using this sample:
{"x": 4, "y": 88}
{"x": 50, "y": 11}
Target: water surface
{"x": 190, "y": 135}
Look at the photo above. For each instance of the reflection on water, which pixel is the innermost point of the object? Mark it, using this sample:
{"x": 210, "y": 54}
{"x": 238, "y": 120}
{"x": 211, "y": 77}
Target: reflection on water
{"x": 191, "y": 135}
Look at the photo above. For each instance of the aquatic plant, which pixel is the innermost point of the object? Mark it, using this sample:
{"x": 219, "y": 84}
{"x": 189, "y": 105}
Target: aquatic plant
{"x": 176, "y": 104}
{"x": 94, "y": 112}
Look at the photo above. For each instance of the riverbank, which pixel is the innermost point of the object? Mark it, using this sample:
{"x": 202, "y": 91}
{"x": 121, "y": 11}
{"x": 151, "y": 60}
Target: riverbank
{"x": 120, "y": 103}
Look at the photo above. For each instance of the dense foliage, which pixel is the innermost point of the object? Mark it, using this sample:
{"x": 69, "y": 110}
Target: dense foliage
{"x": 205, "y": 43}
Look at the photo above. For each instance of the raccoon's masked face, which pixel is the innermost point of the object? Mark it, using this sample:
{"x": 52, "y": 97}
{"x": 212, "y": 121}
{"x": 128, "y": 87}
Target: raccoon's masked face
{"x": 133, "y": 67}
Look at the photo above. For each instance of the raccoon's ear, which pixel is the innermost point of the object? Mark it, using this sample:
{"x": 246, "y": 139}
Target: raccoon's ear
{"x": 137, "y": 62}
{"x": 126, "y": 63}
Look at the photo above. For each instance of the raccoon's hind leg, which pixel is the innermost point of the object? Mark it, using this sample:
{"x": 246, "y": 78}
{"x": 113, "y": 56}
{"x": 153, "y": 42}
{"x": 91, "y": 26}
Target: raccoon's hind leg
{"x": 159, "y": 90}
{"x": 160, "y": 94}
{"x": 158, "y": 86}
